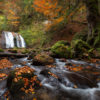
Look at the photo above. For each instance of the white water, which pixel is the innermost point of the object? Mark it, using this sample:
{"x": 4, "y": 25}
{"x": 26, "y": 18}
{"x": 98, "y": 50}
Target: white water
{"x": 22, "y": 41}
{"x": 9, "y": 42}
{"x": 82, "y": 94}
{"x": 9, "y": 39}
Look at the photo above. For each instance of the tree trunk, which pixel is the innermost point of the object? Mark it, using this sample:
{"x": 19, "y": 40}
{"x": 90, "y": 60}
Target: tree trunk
{"x": 93, "y": 17}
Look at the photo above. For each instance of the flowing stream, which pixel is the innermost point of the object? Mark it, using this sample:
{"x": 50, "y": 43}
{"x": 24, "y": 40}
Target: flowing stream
{"x": 62, "y": 88}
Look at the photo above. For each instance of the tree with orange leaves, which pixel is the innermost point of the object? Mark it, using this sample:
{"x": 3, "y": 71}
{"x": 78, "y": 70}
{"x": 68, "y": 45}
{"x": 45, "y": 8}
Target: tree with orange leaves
{"x": 12, "y": 10}
{"x": 49, "y": 8}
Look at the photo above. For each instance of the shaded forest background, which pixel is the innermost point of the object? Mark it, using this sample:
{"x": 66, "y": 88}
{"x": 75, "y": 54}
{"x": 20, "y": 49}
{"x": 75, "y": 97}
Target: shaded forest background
{"x": 43, "y": 22}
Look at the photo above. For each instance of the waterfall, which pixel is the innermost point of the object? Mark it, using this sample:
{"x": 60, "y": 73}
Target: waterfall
{"x": 11, "y": 40}
{"x": 20, "y": 41}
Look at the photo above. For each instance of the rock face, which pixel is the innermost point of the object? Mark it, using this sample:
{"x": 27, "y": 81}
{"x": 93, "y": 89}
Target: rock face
{"x": 11, "y": 40}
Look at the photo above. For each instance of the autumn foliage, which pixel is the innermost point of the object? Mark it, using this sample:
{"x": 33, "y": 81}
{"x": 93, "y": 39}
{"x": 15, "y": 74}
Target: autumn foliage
{"x": 4, "y": 63}
{"x": 12, "y": 10}
{"x": 26, "y": 79}
{"x": 49, "y": 8}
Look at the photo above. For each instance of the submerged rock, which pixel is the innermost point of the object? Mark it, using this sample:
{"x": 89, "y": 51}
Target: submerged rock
{"x": 45, "y": 72}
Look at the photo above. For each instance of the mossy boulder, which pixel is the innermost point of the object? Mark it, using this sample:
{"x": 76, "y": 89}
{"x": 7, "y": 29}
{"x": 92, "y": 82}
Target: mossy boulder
{"x": 82, "y": 48}
{"x": 33, "y": 53}
{"x": 62, "y": 49}
{"x": 22, "y": 81}
{"x": 42, "y": 59}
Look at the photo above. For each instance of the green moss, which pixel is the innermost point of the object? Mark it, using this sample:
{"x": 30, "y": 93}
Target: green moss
{"x": 79, "y": 44}
{"x": 33, "y": 34}
{"x": 25, "y": 51}
{"x": 98, "y": 49}
{"x": 82, "y": 48}
{"x": 97, "y": 42}
{"x": 63, "y": 42}
{"x": 82, "y": 35}
{"x": 42, "y": 59}
{"x": 14, "y": 50}
{"x": 1, "y": 50}
{"x": 62, "y": 49}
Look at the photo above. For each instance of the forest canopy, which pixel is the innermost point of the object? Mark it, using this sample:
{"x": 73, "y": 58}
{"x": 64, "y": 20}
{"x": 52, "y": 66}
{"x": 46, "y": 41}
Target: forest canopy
{"x": 39, "y": 16}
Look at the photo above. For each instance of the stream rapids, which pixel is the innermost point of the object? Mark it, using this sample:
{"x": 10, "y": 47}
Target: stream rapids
{"x": 62, "y": 88}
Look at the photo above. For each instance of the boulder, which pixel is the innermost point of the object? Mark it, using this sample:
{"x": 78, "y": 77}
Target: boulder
{"x": 45, "y": 72}
{"x": 80, "y": 80}
{"x": 42, "y": 59}
{"x": 21, "y": 82}
{"x": 61, "y": 49}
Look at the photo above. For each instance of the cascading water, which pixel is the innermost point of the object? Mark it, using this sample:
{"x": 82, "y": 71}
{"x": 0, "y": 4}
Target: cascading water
{"x": 11, "y": 40}
{"x": 61, "y": 88}
{"x": 20, "y": 41}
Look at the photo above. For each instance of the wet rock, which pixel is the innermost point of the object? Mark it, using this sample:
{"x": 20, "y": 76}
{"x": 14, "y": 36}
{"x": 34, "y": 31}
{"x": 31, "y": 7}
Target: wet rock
{"x": 68, "y": 63}
{"x": 13, "y": 50}
{"x": 63, "y": 60}
{"x": 25, "y": 51}
{"x": 45, "y": 72}
{"x": 47, "y": 94}
{"x": 31, "y": 55}
{"x": 13, "y": 55}
{"x": 97, "y": 94}
{"x": 82, "y": 35}
{"x": 42, "y": 59}
{"x": 79, "y": 80}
